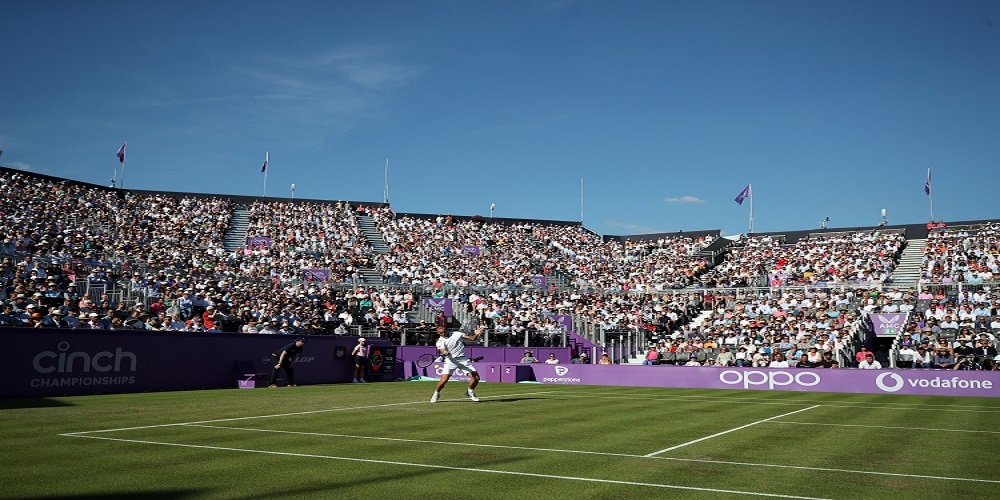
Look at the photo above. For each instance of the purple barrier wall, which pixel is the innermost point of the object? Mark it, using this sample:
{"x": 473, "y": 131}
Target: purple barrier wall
{"x": 496, "y": 362}
{"x": 489, "y": 354}
{"x": 923, "y": 382}
{"x": 68, "y": 362}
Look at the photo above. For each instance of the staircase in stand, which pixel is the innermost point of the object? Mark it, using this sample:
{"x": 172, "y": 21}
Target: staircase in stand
{"x": 235, "y": 236}
{"x": 366, "y": 223}
{"x": 907, "y": 272}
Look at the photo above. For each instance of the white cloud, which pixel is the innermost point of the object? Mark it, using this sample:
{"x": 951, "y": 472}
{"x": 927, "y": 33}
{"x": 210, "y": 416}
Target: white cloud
{"x": 685, "y": 199}
{"x": 633, "y": 227}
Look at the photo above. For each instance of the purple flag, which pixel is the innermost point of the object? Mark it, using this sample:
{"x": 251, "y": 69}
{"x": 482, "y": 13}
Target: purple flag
{"x": 121, "y": 154}
{"x": 264, "y": 167}
{"x": 927, "y": 183}
{"x": 743, "y": 195}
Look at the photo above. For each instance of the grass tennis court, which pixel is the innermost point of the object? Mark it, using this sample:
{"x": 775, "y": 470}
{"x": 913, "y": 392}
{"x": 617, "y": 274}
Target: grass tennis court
{"x": 523, "y": 440}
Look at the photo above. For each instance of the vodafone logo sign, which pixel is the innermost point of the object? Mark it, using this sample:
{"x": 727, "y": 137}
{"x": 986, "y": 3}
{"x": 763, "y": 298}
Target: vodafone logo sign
{"x": 894, "y": 384}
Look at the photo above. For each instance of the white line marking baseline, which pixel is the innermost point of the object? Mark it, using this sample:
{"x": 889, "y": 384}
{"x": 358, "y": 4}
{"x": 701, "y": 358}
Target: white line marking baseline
{"x": 346, "y": 408}
{"x": 464, "y": 469}
{"x": 717, "y": 434}
{"x": 887, "y": 427}
{"x": 674, "y": 399}
{"x": 82, "y": 434}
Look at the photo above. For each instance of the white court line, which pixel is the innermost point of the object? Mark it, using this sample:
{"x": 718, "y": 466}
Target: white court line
{"x": 624, "y": 455}
{"x": 793, "y": 401}
{"x": 781, "y": 403}
{"x": 464, "y": 469}
{"x": 675, "y": 459}
{"x": 717, "y": 434}
{"x": 888, "y": 427}
{"x": 424, "y": 441}
{"x": 294, "y": 413}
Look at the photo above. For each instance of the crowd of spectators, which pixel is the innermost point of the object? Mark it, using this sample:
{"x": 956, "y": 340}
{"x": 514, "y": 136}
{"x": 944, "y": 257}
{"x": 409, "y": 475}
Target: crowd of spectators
{"x": 862, "y": 257}
{"x": 85, "y": 257}
{"x": 479, "y": 252}
{"x": 969, "y": 255}
{"x": 805, "y": 328}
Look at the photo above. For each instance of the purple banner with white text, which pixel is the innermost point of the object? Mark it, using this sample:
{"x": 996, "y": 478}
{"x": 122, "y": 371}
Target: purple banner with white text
{"x": 922, "y": 382}
{"x": 888, "y": 324}
{"x": 54, "y": 362}
{"x": 439, "y": 305}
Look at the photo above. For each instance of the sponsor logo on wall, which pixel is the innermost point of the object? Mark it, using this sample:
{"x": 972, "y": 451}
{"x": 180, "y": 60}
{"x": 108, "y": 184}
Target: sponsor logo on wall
{"x": 64, "y": 367}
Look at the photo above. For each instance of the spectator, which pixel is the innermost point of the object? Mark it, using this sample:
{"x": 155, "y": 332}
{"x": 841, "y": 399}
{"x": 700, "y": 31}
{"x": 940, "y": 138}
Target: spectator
{"x": 870, "y": 363}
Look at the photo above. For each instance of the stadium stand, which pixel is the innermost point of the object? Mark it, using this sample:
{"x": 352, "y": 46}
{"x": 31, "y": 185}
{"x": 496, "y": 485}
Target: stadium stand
{"x": 83, "y": 256}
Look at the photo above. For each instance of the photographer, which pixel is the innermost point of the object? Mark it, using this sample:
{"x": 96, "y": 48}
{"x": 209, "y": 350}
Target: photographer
{"x": 985, "y": 354}
{"x": 966, "y": 363}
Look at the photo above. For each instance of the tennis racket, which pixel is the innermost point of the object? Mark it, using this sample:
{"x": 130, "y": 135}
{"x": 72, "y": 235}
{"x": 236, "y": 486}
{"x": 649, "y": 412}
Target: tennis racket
{"x": 426, "y": 360}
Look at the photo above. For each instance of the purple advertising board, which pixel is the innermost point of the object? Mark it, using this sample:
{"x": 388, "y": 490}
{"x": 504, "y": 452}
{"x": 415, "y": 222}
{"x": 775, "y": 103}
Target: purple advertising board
{"x": 920, "y": 382}
{"x": 888, "y": 324}
{"x": 316, "y": 274}
{"x": 540, "y": 281}
{"x": 438, "y": 305}
{"x": 259, "y": 241}
{"x": 75, "y": 362}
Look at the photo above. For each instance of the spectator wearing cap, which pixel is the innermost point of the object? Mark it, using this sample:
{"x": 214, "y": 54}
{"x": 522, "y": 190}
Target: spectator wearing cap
{"x": 71, "y": 318}
{"x": 55, "y": 319}
{"x": 186, "y": 304}
{"x": 210, "y": 318}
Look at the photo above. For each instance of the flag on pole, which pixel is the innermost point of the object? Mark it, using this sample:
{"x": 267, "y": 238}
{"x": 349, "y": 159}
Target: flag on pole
{"x": 927, "y": 183}
{"x": 743, "y": 195}
{"x": 266, "y": 157}
{"x": 121, "y": 154}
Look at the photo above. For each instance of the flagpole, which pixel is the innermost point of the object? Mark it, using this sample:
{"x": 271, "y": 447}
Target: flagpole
{"x": 267, "y": 160}
{"x": 121, "y": 182}
{"x": 751, "y": 207}
{"x": 581, "y": 200}
{"x": 385, "y": 184}
{"x": 930, "y": 192}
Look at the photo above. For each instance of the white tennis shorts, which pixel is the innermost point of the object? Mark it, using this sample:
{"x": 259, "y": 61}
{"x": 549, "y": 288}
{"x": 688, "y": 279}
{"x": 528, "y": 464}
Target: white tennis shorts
{"x": 452, "y": 364}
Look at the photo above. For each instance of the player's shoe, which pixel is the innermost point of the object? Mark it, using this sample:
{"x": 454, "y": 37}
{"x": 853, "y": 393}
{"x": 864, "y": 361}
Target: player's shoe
{"x": 435, "y": 397}
{"x": 363, "y": 381}
{"x": 472, "y": 395}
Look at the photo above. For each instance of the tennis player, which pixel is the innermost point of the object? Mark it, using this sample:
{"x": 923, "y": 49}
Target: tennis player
{"x": 453, "y": 351}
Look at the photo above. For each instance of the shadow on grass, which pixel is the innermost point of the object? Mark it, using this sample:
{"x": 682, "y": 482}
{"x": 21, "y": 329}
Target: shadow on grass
{"x": 417, "y": 471}
{"x": 20, "y": 403}
{"x": 130, "y": 494}
{"x": 488, "y": 399}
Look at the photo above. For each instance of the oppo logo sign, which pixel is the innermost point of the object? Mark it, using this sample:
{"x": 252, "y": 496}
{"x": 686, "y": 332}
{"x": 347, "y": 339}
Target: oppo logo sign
{"x": 770, "y": 380}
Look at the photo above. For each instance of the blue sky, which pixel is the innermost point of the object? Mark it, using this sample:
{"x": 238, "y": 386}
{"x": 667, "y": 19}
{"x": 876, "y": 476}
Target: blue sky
{"x": 665, "y": 109}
